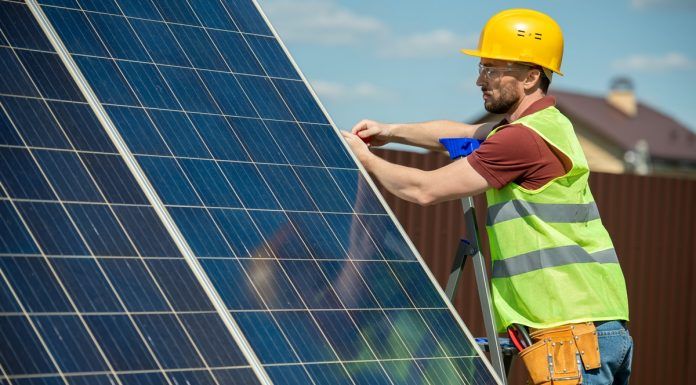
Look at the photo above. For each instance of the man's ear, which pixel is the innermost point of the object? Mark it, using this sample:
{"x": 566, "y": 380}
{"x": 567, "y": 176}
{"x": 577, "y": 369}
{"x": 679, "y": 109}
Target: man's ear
{"x": 533, "y": 78}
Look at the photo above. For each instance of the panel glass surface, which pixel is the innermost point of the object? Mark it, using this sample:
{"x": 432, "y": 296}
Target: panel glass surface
{"x": 304, "y": 256}
{"x": 92, "y": 288}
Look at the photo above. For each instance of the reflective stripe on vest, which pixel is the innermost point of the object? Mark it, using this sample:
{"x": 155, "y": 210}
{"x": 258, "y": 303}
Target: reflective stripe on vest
{"x": 548, "y": 212}
{"x": 557, "y": 256}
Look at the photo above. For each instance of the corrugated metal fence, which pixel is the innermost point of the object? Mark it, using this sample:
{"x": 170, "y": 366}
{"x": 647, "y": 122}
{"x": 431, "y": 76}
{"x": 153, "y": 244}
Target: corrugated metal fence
{"x": 652, "y": 221}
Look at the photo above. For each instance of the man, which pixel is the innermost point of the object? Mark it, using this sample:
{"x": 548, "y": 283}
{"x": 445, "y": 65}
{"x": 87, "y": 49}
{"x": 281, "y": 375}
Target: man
{"x": 554, "y": 268}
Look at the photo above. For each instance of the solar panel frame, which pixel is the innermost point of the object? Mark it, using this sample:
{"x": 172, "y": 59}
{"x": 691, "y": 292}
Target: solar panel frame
{"x": 192, "y": 256}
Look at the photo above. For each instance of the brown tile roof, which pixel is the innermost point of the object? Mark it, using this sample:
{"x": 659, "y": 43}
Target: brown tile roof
{"x": 667, "y": 139}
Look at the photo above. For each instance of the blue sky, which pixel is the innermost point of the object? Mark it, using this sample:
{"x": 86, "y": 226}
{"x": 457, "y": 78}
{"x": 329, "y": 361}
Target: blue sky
{"x": 399, "y": 61}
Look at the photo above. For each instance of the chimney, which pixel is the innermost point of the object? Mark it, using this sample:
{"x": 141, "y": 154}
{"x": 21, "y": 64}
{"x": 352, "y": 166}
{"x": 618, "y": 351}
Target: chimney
{"x": 622, "y": 97}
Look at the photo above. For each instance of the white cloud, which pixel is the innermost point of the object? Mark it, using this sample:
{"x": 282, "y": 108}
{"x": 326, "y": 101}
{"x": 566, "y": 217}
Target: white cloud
{"x": 336, "y": 91}
{"x": 435, "y": 43}
{"x": 644, "y": 4}
{"x": 320, "y": 22}
{"x": 668, "y": 61}
{"x": 326, "y": 22}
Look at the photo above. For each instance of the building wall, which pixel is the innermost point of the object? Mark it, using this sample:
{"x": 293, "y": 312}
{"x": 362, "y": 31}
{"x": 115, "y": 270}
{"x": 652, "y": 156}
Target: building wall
{"x": 652, "y": 221}
{"x": 601, "y": 155}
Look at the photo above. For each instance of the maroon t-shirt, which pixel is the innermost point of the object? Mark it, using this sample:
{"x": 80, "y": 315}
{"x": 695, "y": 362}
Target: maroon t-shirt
{"x": 518, "y": 154}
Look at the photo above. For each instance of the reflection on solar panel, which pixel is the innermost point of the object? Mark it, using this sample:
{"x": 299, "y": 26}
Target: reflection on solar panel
{"x": 176, "y": 208}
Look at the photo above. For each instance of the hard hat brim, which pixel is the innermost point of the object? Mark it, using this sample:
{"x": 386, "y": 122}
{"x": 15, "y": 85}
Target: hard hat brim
{"x": 477, "y": 53}
{"x": 471, "y": 52}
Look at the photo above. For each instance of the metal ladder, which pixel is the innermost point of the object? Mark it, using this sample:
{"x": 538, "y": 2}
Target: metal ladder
{"x": 501, "y": 351}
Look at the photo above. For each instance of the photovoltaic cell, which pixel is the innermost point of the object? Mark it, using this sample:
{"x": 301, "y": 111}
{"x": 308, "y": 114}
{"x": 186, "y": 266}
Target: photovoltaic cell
{"x": 301, "y": 252}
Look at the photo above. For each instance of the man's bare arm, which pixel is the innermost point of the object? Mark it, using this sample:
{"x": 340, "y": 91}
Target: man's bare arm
{"x": 424, "y": 134}
{"x": 456, "y": 180}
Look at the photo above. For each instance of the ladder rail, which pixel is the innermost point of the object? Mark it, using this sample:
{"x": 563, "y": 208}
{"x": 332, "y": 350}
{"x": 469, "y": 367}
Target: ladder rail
{"x": 459, "y": 148}
{"x": 473, "y": 249}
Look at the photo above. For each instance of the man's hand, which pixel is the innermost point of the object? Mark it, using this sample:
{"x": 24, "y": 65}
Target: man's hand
{"x": 358, "y": 146}
{"x": 375, "y": 133}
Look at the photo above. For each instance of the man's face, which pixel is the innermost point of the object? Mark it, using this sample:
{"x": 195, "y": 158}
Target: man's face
{"x": 501, "y": 84}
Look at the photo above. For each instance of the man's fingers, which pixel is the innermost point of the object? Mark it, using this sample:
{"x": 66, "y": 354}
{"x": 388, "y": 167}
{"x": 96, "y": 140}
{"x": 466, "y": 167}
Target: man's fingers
{"x": 366, "y": 132}
{"x": 369, "y": 130}
{"x": 348, "y": 135}
{"x": 362, "y": 125}
{"x": 352, "y": 139}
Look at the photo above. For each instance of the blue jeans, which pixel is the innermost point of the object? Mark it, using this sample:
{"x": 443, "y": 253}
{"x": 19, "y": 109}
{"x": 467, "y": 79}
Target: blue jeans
{"x": 616, "y": 352}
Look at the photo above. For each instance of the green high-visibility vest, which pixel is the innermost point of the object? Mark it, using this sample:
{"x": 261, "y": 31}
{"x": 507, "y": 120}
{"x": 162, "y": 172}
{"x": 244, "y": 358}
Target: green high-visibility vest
{"x": 553, "y": 262}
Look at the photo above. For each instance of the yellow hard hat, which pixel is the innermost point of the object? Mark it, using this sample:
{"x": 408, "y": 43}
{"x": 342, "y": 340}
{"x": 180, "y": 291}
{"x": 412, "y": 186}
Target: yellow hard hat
{"x": 522, "y": 35}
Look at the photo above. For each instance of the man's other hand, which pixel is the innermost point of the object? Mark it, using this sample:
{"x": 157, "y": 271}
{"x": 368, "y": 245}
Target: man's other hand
{"x": 358, "y": 146}
{"x": 375, "y": 133}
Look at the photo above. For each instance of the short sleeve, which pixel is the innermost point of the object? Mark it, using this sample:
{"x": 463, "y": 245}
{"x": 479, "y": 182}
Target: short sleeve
{"x": 516, "y": 154}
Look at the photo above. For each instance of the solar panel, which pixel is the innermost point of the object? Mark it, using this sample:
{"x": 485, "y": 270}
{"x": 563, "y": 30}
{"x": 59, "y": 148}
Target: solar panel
{"x": 177, "y": 208}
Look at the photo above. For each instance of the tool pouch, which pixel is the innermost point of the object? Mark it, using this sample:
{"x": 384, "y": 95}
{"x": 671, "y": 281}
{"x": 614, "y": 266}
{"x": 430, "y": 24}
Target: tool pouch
{"x": 557, "y": 354}
{"x": 585, "y": 335}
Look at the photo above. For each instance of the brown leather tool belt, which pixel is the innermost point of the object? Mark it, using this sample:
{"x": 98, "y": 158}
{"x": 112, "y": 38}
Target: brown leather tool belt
{"x": 558, "y": 354}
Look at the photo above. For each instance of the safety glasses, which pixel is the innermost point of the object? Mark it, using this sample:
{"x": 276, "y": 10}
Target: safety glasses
{"x": 494, "y": 73}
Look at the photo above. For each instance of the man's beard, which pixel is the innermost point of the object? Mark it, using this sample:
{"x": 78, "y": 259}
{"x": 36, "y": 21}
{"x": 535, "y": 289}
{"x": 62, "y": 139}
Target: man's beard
{"x": 508, "y": 98}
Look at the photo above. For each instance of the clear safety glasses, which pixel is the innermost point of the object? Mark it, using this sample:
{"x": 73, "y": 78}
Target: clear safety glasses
{"x": 494, "y": 73}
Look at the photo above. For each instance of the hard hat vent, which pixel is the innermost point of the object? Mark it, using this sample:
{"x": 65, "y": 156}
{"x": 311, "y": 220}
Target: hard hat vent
{"x": 523, "y": 33}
